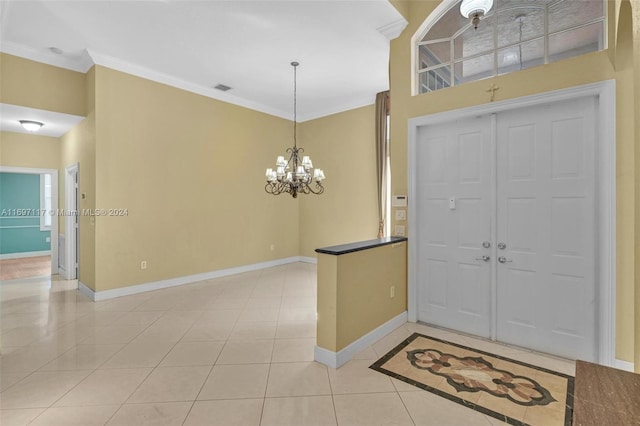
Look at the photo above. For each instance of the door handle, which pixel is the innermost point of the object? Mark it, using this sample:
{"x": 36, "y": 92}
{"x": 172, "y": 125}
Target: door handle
{"x": 503, "y": 259}
{"x": 484, "y": 258}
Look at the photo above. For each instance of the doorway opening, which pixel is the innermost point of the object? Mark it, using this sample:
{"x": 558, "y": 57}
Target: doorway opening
{"x": 29, "y": 222}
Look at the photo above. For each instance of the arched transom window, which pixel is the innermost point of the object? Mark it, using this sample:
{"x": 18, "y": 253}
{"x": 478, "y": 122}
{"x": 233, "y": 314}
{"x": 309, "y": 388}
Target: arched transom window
{"x": 513, "y": 35}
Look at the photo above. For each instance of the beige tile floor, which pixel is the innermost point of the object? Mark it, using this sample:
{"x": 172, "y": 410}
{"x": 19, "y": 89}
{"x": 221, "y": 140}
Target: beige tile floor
{"x": 231, "y": 351}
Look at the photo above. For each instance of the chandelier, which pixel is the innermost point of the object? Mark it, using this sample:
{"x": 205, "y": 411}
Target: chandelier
{"x": 475, "y": 9}
{"x": 295, "y": 176}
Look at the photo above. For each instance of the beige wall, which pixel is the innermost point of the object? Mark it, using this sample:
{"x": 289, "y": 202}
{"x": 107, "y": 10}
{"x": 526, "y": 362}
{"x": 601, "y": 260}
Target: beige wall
{"x": 36, "y": 85}
{"x": 585, "y": 69}
{"x": 79, "y": 146}
{"x": 354, "y": 295}
{"x": 625, "y": 177}
{"x": 636, "y": 72}
{"x": 343, "y": 145}
{"x": 29, "y": 150}
{"x": 190, "y": 171}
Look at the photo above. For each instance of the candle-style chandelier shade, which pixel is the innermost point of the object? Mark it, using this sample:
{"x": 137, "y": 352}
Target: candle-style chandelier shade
{"x": 297, "y": 175}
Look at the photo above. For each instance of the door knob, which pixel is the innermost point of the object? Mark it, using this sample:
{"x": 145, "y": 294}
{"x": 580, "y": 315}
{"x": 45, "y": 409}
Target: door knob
{"x": 484, "y": 258}
{"x": 503, "y": 259}
{"x": 502, "y": 246}
{"x": 486, "y": 244}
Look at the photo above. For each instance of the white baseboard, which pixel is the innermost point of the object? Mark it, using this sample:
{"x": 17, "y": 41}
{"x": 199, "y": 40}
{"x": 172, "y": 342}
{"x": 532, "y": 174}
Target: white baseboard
{"x": 336, "y": 359}
{"x": 84, "y": 289}
{"x": 25, "y": 254}
{"x": 63, "y": 272}
{"x": 306, "y": 259}
{"x": 188, "y": 279}
{"x": 623, "y": 365}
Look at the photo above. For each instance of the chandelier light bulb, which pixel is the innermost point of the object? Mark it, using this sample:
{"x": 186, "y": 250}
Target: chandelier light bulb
{"x": 302, "y": 179}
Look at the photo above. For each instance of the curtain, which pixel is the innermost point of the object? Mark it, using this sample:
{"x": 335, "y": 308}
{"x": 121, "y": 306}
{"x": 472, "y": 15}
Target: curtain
{"x": 382, "y": 151}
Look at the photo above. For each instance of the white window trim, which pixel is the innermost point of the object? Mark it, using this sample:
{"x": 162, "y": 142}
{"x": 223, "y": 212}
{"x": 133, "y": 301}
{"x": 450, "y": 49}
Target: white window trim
{"x": 45, "y": 212}
{"x": 438, "y": 13}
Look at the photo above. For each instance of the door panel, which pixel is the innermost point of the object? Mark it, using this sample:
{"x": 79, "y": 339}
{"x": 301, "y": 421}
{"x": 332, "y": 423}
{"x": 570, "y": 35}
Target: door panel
{"x": 546, "y": 218}
{"x": 455, "y": 288}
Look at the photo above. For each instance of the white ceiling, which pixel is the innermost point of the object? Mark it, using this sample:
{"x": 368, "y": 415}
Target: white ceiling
{"x": 56, "y": 124}
{"x": 342, "y": 46}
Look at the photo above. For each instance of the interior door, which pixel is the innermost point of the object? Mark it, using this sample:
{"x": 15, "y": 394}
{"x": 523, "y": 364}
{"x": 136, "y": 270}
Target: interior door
{"x": 546, "y": 228}
{"x": 454, "y": 198}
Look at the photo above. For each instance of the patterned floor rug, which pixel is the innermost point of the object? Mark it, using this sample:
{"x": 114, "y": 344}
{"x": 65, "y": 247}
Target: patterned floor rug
{"x": 509, "y": 390}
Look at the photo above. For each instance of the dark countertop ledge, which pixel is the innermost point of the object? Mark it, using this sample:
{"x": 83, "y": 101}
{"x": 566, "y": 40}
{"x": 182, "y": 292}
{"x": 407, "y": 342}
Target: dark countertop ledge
{"x": 361, "y": 245}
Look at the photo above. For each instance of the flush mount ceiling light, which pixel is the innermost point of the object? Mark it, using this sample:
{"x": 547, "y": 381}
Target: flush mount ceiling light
{"x": 294, "y": 176}
{"x": 475, "y": 9}
{"x": 30, "y": 125}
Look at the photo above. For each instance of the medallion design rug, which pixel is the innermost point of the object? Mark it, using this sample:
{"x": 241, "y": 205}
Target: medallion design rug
{"x": 512, "y": 391}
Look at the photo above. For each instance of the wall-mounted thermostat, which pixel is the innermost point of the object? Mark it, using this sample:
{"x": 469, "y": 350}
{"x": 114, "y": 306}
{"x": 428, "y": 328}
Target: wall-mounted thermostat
{"x": 399, "y": 201}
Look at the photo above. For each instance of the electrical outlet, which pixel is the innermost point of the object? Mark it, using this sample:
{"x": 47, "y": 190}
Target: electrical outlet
{"x": 392, "y": 291}
{"x": 143, "y": 264}
{"x": 47, "y": 240}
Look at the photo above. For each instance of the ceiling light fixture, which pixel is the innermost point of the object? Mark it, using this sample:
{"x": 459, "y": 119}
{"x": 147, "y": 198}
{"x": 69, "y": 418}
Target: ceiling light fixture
{"x": 475, "y": 10}
{"x": 302, "y": 175}
{"x": 30, "y": 125}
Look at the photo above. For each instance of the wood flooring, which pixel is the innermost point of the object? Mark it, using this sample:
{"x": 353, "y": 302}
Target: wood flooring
{"x": 11, "y": 269}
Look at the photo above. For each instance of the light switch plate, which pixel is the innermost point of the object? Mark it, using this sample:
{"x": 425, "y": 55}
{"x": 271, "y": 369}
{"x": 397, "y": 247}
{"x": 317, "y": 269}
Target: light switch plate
{"x": 399, "y": 230}
{"x": 401, "y": 215}
{"x": 399, "y": 201}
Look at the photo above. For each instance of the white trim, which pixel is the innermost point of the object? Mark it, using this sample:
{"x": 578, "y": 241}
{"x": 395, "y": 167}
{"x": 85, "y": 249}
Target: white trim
{"x": 80, "y": 64}
{"x": 353, "y": 103}
{"x": 623, "y": 365}
{"x": 71, "y": 233}
{"x": 25, "y": 254}
{"x": 392, "y": 30}
{"x": 90, "y": 58}
{"x": 306, "y": 259}
{"x": 43, "y": 203}
{"x": 336, "y": 359}
{"x": 173, "y": 282}
{"x": 606, "y": 195}
{"x": 149, "y": 74}
{"x": 54, "y": 206}
{"x": 433, "y": 17}
{"x": 85, "y": 290}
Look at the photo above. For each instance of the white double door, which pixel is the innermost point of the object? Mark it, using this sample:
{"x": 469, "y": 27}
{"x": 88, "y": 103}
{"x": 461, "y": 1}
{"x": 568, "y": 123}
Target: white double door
{"x": 506, "y": 227}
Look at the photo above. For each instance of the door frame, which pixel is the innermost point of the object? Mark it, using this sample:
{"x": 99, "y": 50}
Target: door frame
{"x": 71, "y": 232}
{"x": 605, "y": 201}
{"x": 54, "y": 206}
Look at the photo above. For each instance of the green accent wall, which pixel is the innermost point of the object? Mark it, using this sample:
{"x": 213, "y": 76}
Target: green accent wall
{"x": 20, "y": 230}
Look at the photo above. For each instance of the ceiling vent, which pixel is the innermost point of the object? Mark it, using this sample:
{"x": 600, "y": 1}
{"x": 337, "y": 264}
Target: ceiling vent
{"x": 222, "y": 87}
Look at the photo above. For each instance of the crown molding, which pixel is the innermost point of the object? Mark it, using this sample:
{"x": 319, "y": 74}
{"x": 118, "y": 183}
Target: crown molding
{"x": 393, "y": 29}
{"x": 159, "y": 77}
{"x": 81, "y": 63}
{"x": 347, "y": 106}
{"x": 89, "y": 58}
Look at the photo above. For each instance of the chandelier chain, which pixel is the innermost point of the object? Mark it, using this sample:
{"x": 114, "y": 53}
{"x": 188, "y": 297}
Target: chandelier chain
{"x": 297, "y": 175}
{"x": 295, "y": 103}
